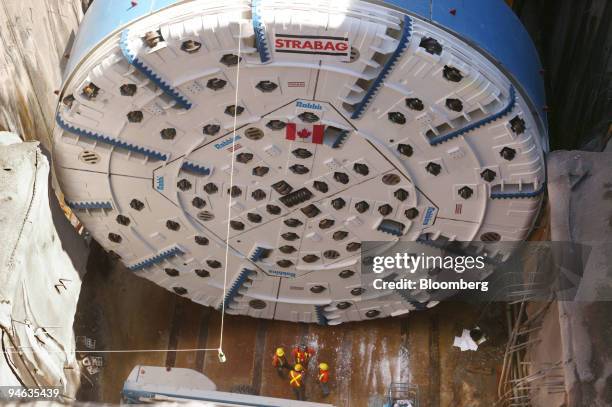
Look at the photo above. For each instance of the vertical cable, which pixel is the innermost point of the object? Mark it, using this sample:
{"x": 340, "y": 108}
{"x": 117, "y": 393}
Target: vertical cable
{"x": 229, "y": 200}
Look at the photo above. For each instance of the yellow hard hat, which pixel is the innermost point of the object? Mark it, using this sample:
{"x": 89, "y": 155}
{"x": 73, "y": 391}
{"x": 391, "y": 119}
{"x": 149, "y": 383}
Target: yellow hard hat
{"x": 298, "y": 368}
{"x": 280, "y": 352}
{"x": 323, "y": 366}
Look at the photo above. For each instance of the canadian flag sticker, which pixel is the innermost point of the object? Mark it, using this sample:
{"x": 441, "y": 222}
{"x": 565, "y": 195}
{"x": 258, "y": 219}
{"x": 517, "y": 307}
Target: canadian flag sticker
{"x": 306, "y": 133}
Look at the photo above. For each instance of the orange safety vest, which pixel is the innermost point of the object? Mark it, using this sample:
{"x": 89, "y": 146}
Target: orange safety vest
{"x": 279, "y": 361}
{"x": 302, "y": 357}
{"x": 323, "y": 376}
{"x": 295, "y": 379}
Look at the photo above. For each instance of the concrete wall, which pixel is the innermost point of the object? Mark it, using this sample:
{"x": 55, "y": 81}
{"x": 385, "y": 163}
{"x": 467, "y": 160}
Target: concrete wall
{"x": 35, "y": 37}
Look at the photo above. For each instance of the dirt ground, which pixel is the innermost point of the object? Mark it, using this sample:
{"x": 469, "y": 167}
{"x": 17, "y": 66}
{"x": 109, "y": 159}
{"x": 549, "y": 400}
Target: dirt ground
{"x": 124, "y": 312}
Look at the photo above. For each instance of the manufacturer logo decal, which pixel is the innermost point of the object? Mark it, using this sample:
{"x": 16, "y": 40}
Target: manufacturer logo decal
{"x": 228, "y": 141}
{"x": 159, "y": 183}
{"x": 313, "y": 45}
{"x": 430, "y": 216}
{"x": 282, "y": 273}
{"x": 300, "y": 104}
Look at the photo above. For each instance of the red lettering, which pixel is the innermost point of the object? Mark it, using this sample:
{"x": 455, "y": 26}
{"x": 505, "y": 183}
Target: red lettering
{"x": 341, "y": 46}
{"x": 315, "y": 45}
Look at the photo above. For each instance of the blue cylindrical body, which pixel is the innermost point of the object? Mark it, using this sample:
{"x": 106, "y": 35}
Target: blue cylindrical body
{"x": 488, "y": 25}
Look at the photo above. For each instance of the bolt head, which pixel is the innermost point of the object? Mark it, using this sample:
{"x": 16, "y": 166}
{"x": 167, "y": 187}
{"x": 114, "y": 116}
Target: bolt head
{"x": 320, "y": 186}
{"x": 411, "y": 213}
{"x": 346, "y": 273}
{"x": 244, "y": 158}
{"x": 230, "y": 60}
{"x": 211, "y": 129}
{"x": 433, "y": 168}
{"x": 517, "y": 125}
{"x": 152, "y": 38}
{"x": 454, "y": 104}
{"x": 401, "y": 194}
{"x": 135, "y": 116}
{"x": 308, "y": 117}
{"x": 266, "y": 86}
{"x": 415, "y": 104}
{"x": 361, "y": 169}
{"x": 216, "y": 83}
{"x": 396, "y": 117}
{"x": 488, "y": 175}
{"x": 183, "y": 185}
{"x": 234, "y": 110}
{"x": 431, "y": 45}
{"x": 299, "y": 169}
{"x": 168, "y": 134}
{"x": 198, "y": 202}
{"x": 311, "y": 258}
{"x": 362, "y": 206}
{"x": 341, "y": 177}
{"x": 123, "y": 220}
{"x": 258, "y": 194}
{"x": 405, "y": 149}
{"x": 338, "y": 203}
{"x": 260, "y": 171}
{"x": 508, "y": 153}
{"x": 452, "y": 74}
{"x": 128, "y": 89}
{"x": 210, "y": 188}
{"x": 236, "y": 225}
{"x": 465, "y": 192}
{"x": 190, "y": 46}
{"x": 276, "y": 125}
{"x": 254, "y": 217}
{"x": 385, "y": 209}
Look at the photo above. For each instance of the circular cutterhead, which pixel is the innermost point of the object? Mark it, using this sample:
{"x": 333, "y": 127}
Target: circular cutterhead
{"x": 353, "y": 123}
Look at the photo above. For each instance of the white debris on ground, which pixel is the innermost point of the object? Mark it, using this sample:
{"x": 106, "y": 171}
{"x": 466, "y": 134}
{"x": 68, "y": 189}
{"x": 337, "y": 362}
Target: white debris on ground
{"x": 39, "y": 286}
{"x": 465, "y": 341}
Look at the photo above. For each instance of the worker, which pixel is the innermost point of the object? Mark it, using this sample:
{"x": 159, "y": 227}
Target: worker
{"x": 302, "y": 355}
{"x": 324, "y": 378}
{"x": 296, "y": 381}
{"x": 279, "y": 361}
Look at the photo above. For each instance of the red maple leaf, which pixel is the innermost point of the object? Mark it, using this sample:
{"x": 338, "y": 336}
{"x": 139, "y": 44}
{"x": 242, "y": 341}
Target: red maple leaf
{"x": 304, "y": 133}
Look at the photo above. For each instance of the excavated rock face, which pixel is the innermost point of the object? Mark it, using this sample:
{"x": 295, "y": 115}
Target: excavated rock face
{"x": 39, "y": 287}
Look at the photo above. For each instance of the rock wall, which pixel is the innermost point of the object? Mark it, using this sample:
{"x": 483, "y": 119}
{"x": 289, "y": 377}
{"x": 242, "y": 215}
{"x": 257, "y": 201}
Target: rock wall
{"x": 39, "y": 286}
{"x": 35, "y": 38}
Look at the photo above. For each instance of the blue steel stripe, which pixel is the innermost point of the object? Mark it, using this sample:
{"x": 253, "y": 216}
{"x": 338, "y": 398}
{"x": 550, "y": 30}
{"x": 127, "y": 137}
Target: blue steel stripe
{"x": 320, "y": 312}
{"x": 90, "y": 205}
{"x": 388, "y": 228}
{"x": 158, "y": 258}
{"x": 149, "y": 73}
{"x": 187, "y": 166}
{"x": 261, "y": 41}
{"x": 489, "y": 25}
{"x": 514, "y": 195}
{"x": 108, "y": 140}
{"x": 336, "y": 141}
{"x": 233, "y": 291}
{"x": 387, "y": 68}
{"x": 257, "y": 253}
{"x": 482, "y": 122}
